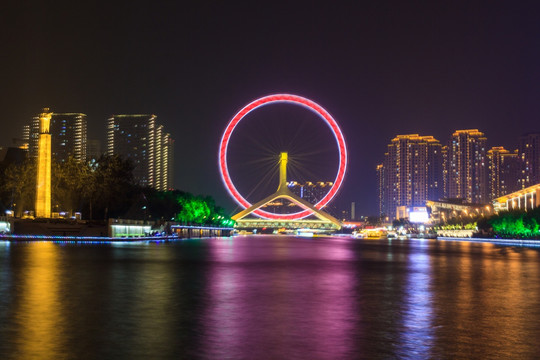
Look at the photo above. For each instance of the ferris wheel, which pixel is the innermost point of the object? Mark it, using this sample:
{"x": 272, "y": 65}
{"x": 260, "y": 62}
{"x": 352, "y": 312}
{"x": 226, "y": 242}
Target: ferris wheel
{"x": 306, "y": 209}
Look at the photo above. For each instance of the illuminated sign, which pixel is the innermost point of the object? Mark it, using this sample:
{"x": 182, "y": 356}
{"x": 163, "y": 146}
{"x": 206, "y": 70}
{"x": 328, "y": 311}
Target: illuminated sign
{"x": 418, "y": 215}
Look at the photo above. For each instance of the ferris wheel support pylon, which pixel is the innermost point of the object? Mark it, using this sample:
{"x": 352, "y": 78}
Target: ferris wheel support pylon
{"x": 283, "y": 192}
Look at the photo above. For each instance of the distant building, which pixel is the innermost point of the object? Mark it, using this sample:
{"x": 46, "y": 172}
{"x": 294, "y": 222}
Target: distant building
{"x": 93, "y": 149}
{"x": 529, "y": 156}
{"x": 445, "y": 165}
{"x": 412, "y": 172}
{"x": 467, "y": 166}
{"x": 312, "y": 192}
{"x": 68, "y": 136}
{"x": 504, "y": 169}
{"x": 140, "y": 139}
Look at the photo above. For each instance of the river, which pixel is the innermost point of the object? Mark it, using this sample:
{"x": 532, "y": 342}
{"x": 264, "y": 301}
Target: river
{"x": 269, "y": 297}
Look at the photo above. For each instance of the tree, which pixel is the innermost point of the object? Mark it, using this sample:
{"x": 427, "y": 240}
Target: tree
{"x": 69, "y": 180}
{"x": 20, "y": 186}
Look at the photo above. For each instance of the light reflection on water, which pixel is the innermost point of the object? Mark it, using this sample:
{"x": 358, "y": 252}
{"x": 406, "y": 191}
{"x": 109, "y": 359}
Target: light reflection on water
{"x": 268, "y": 297}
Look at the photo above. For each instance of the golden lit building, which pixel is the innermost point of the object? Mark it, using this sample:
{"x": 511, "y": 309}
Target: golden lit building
{"x": 503, "y": 171}
{"x": 523, "y": 199}
{"x": 410, "y": 174}
{"x": 141, "y": 140}
{"x": 467, "y": 166}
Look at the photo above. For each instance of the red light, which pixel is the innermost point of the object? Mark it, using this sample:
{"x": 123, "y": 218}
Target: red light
{"x": 292, "y": 99}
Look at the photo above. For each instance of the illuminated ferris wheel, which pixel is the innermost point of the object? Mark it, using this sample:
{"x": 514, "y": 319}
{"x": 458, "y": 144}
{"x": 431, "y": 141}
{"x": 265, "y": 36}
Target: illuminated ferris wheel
{"x": 306, "y": 209}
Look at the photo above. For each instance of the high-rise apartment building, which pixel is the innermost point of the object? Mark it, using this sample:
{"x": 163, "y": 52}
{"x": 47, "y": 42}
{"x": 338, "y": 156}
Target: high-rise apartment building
{"x": 529, "y": 156}
{"x": 144, "y": 142}
{"x": 503, "y": 172}
{"x": 68, "y": 136}
{"x": 467, "y": 166}
{"x": 411, "y": 173}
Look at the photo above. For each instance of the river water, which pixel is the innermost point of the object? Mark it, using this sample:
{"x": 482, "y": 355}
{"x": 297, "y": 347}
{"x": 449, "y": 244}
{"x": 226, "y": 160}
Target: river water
{"x": 269, "y": 297}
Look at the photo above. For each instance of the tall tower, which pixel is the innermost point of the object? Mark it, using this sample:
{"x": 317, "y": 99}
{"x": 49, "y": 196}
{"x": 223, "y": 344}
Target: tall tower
{"x": 410, "y": 174}
{"x": 503, "y": 172}
{"x": 43, "y": 183}
{"x": 467, "y": 166}
{"x": 529, "y": 156}
{"x": 140, "y": 139}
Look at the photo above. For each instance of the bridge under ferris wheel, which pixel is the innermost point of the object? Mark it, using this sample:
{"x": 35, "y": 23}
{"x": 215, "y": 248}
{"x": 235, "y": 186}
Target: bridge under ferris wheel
{"x": 322, "y": 221}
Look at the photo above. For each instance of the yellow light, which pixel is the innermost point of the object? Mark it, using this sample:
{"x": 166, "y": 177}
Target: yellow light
{"x": 43, "y": 183}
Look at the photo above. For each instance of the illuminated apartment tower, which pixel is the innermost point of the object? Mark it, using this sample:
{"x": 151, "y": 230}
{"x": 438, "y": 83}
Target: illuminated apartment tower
{"x": 529, "y": 157}
{"x": 68, "y": 136}
{"x": 410, "y": 174}
{"x": 503, "y": 172}
{"x": 467, "y": 166}
{"x": 141, "y": 140}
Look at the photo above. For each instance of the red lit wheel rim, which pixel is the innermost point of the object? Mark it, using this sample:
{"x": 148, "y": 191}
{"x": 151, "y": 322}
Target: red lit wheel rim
{"x": 289, "y": 99}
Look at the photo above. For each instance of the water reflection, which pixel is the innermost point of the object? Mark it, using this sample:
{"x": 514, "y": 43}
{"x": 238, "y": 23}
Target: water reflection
{"x": 269, "y": 297}
{"x": 264, "y": 302}
{"x": 39, "y": 321}
{"x": 417, "y": 336}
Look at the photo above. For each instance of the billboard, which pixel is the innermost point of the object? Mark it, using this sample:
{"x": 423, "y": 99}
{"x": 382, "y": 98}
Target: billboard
{"x": 418, "y": 215}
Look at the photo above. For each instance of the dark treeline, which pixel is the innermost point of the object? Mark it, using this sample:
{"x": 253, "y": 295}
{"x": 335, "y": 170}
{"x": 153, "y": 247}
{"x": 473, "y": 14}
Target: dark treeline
{"x": 104, "y": 189}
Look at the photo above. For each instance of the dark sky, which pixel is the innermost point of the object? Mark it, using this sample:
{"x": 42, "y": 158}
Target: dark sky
{"x": 380, "y": 68}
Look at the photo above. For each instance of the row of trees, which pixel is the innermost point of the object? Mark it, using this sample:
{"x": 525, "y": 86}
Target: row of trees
{"x": 507, "y": 224}
{"x": 102, "y": 189}
{"x": 513, "y": 224}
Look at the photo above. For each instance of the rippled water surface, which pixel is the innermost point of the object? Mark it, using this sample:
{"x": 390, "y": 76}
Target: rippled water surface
{"x": 269, "y": 297}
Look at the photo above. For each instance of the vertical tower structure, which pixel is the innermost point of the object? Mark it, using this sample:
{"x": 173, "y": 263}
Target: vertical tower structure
{"x": 467, "y": 166}
{"x": 43, "y": 183}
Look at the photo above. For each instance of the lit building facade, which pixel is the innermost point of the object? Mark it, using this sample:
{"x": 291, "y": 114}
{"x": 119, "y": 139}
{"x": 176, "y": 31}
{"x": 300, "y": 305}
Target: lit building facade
{"x": 467, "y": 166}
{"x": 523, "y": 199}
{"x": 312, "y": 192}
{"x": 68, "y": 136}
{"x": 529, "y": 156}
{"x": 504, "y": 169}
{"x": 145, "y": 143}
{"x": 412, "y": 172}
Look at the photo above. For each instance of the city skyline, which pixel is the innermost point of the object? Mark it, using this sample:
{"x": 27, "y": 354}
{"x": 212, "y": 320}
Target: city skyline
{"x": 380, "y": 70}
{"x": 524, "y": 144}
{"x": 417, "y": 170}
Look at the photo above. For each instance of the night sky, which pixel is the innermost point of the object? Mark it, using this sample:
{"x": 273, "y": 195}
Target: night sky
{"x": 380, "y": 68}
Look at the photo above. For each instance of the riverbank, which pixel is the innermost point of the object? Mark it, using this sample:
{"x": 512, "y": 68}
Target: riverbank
{"x": 513, "y": 242}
